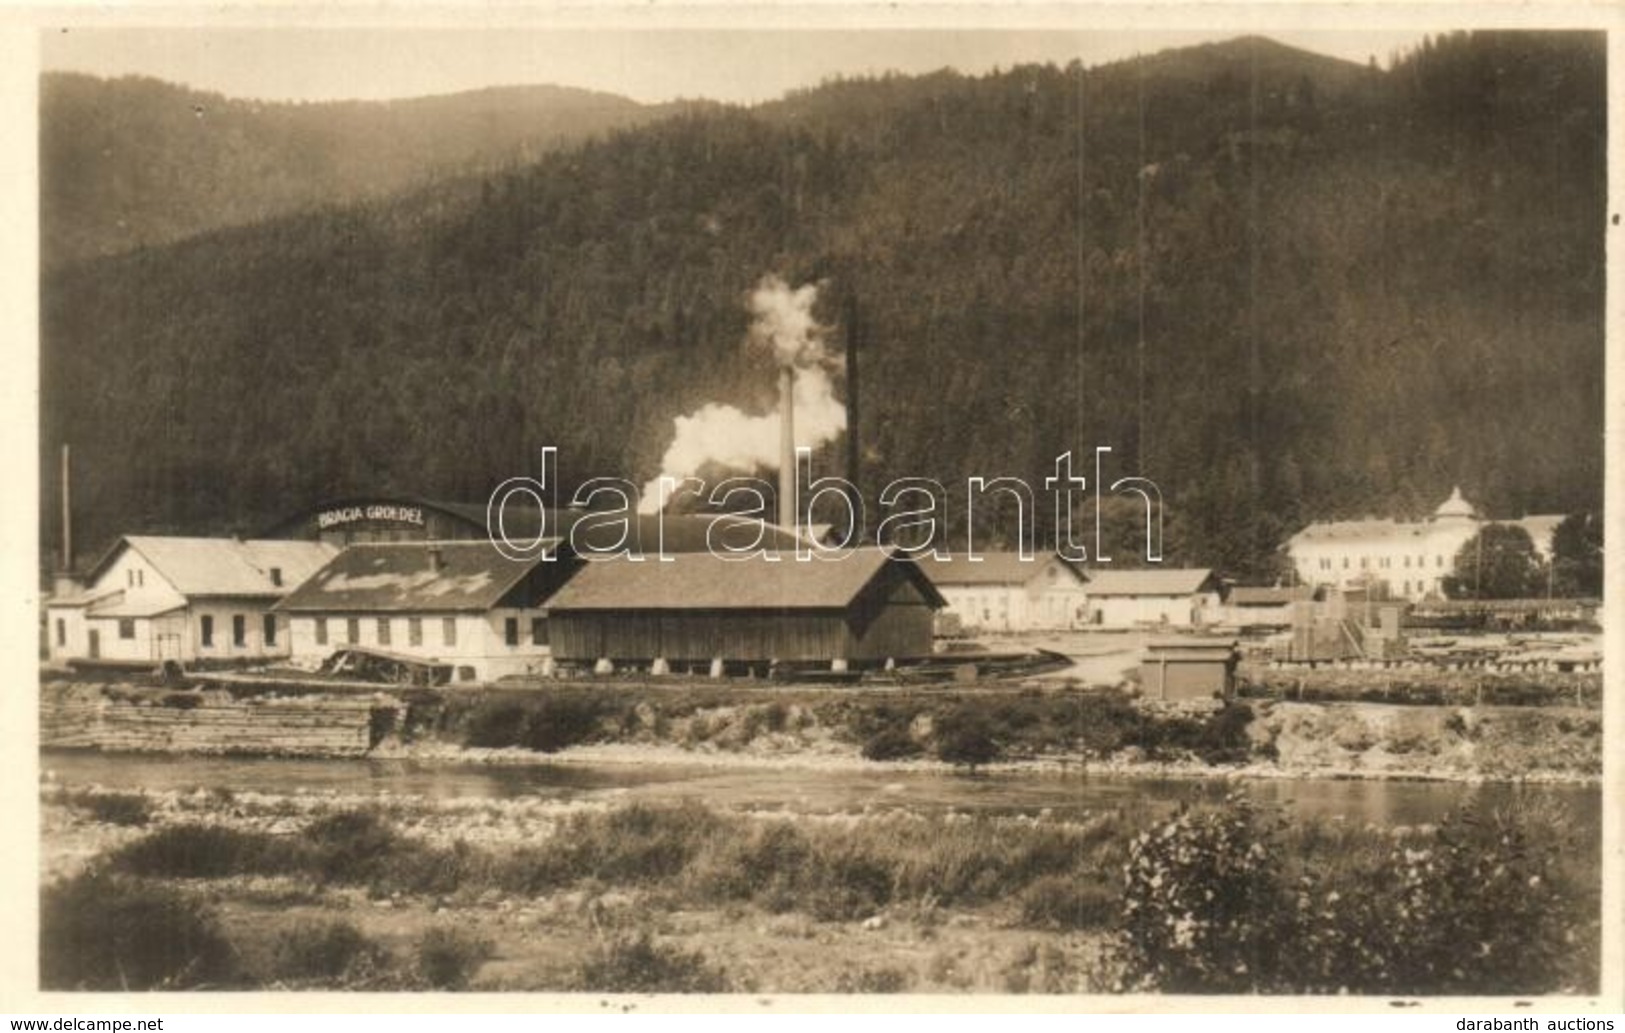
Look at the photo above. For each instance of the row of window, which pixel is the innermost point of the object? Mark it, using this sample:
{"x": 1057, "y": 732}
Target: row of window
{"x": 1383, "y": 562}
{"x": 239, "y": 630}
{"x": 384, "y": 632}
{"x": 136, "y": 578}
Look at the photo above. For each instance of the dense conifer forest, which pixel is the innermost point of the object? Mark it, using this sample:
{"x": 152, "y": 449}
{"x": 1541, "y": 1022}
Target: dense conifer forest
{"x": 1283, "y": 287}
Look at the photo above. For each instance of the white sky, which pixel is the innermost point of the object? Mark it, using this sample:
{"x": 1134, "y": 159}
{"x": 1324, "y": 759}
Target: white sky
{"x": 749, "y": 64}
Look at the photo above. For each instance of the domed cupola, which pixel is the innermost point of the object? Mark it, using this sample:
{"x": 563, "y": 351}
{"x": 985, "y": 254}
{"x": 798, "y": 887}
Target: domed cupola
{"x": 1454, "y": 508}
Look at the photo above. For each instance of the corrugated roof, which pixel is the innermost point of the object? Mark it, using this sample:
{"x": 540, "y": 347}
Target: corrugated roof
{"x": 224, "y": 566}
{"x": 701, "y": 581}
{"x": 1256, "y": 595}
{"x": 1362, "y": 530}
{"x": 1177, "y": 581}
{"x": 993, "y": 568}
{"x": 401, "y": 577}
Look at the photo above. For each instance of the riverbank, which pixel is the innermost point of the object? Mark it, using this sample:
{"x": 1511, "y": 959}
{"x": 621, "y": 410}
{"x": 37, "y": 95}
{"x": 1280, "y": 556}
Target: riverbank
{"x": 1024, "y": 728}
{"x": 340, "y": 891}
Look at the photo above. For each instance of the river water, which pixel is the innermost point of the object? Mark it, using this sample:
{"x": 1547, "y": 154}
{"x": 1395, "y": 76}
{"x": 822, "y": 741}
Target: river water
{"x": 1384, "y": 803}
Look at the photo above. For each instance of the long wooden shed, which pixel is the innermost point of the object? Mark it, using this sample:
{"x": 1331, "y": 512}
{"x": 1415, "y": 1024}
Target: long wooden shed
{"x": 864, "y": 609}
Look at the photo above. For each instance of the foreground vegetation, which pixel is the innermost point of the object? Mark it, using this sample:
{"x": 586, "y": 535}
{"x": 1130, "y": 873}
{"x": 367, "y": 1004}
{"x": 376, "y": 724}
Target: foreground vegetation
{"x": 688, "y": 898}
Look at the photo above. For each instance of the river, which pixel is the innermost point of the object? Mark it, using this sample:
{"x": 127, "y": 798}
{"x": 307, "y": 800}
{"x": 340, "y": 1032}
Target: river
{"x": 1385, "y": 803}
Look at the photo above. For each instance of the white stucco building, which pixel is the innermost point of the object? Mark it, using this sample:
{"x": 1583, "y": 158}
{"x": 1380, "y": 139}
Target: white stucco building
{"x": 1411, "y": 557}
{"x": 152, "y": 599}
{"x": 999, "y": 591}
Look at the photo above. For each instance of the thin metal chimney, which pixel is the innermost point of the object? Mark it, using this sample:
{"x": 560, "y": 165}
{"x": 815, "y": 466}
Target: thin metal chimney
{"x": 67, "y": 513}
{"x": 787, "y": 447}
{"x": 437, "y": 559}
{"x": 854, "y": 442}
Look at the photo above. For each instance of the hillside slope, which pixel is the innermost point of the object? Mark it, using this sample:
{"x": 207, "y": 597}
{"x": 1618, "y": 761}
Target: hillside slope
{"x": 136, "y": 162}
{"x": 1283, "y": 289}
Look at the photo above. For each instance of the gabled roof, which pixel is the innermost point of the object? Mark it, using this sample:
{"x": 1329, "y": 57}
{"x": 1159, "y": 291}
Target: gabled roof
{"x": 992, "y": 568}
{"x": 701, "y": 581}
{"x": 1251, "y": 595}
{"x": 402, "y": 577}
{"x": 1177, "y": 581}
{"x": 222, "y": 566}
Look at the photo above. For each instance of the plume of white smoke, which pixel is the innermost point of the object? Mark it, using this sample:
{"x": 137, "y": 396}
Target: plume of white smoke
{"x": 784, "y": 328}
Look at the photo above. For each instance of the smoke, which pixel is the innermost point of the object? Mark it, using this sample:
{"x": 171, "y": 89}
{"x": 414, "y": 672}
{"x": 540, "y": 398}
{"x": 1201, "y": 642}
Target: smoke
{"x": 785, "y": 329}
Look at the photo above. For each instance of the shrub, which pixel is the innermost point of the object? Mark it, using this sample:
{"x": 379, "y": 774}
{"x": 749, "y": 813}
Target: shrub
{"x": 891, "y": 744}
{"x": 448, "y": 957}
{"x": 99, "y": 931}
{"x": 1477, "y": 906}
{"x": 1198, "y": 904}
{"x": 965, "y": 739}
{"x": 210, "y": 851}
{"x": 334, "y": 950}
{"x": 130, "y": 809}
{"x": 639, "y": 965}
{"x": 351, "y": 846}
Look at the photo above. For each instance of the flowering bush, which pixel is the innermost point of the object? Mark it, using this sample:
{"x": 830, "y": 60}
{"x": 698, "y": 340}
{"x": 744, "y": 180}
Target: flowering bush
{"x": 1478, "y": 905}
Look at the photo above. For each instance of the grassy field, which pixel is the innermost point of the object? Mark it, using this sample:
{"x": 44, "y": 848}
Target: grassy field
{"x": 211, "y": 891}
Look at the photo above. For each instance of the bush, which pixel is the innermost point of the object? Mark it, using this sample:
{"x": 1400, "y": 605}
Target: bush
{"x": 99, "y": 931}
{"x": 448, "y": 957}
{"x": 129, "y": 809}
{"x": 334, "y": 951}
{"x": 210, "y": 851}
{"x": 1477, "y": 906}
{"x": 965, "y": 739}
{"x": 1199, "y": 903}
{"x": 891, "y": 744}
{"x": 351, "y": 846}
{"x": 640, "y": 966}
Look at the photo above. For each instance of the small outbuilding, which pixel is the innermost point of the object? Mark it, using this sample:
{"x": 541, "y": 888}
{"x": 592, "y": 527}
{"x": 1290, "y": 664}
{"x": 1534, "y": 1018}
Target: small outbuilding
{"x": 697, "y": 608}
{"x": 1175, "y": 669}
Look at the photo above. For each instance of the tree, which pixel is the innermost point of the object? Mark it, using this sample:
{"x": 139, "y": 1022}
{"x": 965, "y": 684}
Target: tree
{"x": 1577, "y": 557}
{"x": 1500, "y": 562}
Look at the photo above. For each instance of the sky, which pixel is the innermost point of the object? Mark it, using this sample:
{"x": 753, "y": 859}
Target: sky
{"x": 742, "y": 65}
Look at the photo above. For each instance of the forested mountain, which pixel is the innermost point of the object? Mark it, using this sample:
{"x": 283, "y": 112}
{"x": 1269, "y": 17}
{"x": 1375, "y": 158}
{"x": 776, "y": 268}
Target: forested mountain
{"x": 135, "y": 161}
{"x": 1282, "y": 287}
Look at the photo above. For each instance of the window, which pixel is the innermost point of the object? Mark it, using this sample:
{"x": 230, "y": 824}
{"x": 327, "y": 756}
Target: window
{"x": 321, "y": 631}
{"x": 510, "y": 631}
{"x": 383, "y": 631}
{"x": 239, "y": 630}
{"x": 448, "y": 631}
{"x": 126, "y": 627}
{"x": 538, "y": 631}
{"x": 61, "y": 632}
{"x": 276, "y": 577}
{"x": 270, "y": 629}
{"x": 352, "y": 630}
{"x": 129, "y": 578}
{"x": 414, "y": 630}
{"x": 206, "y": 630}
{"x": 1325, "y": 563}
{"x": 140, "y": 579}
{"x": 1364, "y": 562}
{"x": 1345, "y": 563}
{"x": 1441, "y": 562}
{"x": 1407, "y": 562}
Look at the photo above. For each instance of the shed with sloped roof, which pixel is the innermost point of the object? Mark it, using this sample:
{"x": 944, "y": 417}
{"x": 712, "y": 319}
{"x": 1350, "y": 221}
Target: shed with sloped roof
{"x": 697, "y": 607}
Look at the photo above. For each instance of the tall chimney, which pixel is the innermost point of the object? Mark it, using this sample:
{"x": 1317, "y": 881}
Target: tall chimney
{"x": 787, "y": 447}
{"x": 854, "y": 454}
{"x": 67, "y": 514}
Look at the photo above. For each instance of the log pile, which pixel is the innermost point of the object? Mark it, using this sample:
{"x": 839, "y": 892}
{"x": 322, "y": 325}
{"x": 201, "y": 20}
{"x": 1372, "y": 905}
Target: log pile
{"x": 118, "y": 718}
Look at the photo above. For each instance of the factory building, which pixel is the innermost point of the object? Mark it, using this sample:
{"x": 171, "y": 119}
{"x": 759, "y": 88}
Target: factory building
{"x": 999, "y": 591}
{"x": 1167, "y": 598}
{"x": 153, "y": 599}
{"x": 698, "y": 609}
{"x": 456, "y": 603}
{"x": 1258, "y": 606}
{"x": 1409, "y": 559}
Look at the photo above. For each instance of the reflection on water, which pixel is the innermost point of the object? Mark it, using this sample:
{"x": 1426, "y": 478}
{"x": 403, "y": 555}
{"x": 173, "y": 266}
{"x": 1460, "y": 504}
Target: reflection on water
{"x": 1385, "y": 803}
